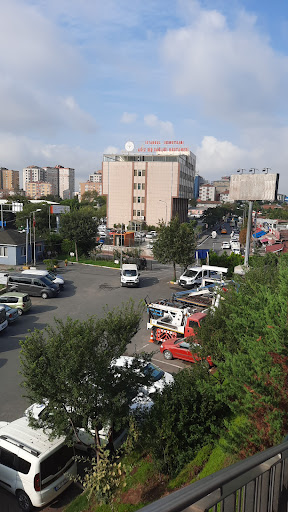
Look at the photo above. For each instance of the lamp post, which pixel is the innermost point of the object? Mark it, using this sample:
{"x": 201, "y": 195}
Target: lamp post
{"x": 34, "y": 236}
{"x": 161, "y": 201}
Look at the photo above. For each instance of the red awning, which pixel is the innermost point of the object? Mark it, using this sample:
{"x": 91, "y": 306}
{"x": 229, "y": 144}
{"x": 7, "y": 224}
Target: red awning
{"x": 274, "y": 248}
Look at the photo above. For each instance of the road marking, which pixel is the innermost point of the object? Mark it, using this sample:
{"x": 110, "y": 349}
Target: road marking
{"x": 203, "y": 241}
{"x": 165, "y": 362}
{"x": 147, "y": 345}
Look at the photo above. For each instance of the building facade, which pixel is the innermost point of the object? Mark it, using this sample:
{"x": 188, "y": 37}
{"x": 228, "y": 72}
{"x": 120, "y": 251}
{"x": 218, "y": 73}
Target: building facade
{"x": 90, "y": 186}
{"x": 207, "y": 192}
{"x": 96, "y": 177}
{"x": 148, "y": 188}
{"x": 38, "y": 189}
{"x": 51, "y": 175}
{"x": 221, "y": 185}
{"x": 32, "y": 173}
{"x": 9, "y": 180}
{"x": 66, "y": 182}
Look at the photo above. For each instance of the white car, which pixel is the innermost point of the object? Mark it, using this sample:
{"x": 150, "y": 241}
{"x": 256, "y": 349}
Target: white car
{"x": 143, "y": 401}
{"x": 225, "y": 245}
{"x": 151, "y": 234}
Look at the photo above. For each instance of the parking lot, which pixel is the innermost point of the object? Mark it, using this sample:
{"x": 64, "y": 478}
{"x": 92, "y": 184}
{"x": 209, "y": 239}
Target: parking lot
{"x": 88, "y": 289}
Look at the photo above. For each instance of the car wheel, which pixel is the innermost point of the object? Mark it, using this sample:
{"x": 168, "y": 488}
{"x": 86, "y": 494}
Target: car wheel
{"x": 24, "y": 501}
{"x": 44, "y": 295}
{"x": 167, "y": 354}
{"x": 20, "y": 311}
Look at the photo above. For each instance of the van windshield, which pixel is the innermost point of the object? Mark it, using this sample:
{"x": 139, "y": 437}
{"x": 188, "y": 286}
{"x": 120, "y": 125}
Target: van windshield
{"x": 47, "y": 281}
{"x": 129, "y": 273}
{"x": 190, "y": 273}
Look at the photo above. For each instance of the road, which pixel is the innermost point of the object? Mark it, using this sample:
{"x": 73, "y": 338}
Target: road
{"x": 215, "y": 243}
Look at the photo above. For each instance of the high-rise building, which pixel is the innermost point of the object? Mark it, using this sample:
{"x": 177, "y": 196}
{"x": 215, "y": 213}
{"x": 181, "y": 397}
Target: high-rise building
{"x": 96, "y": 177}
{"x": 32, "y": 173}
{"x": 207, "y": 192}
{"x": 9, "y": 179}
{"x": 66, "y": 182}
{"x": 148, "y": 187}
{"x": 51, "y": 175}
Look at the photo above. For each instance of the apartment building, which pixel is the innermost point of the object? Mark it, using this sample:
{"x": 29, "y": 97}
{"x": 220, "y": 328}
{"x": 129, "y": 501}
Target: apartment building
{"x": 38, "y": 189}
{"x": 94, "y": 183}
{"x": 207, "y": 192}
{"x": 148, "y": 187}
{"x": 9, "y": 180}
{"x": 96, "y": 177}
{"x": 51, "y": 175}
{"x": 32, "y": 173}
{"x": 66, "y": 182}
{"x": 221, "y": 185}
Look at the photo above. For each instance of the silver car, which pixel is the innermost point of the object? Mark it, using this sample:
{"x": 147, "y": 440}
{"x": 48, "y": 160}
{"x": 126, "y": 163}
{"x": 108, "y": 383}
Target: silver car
{"x": 11, "y": 313}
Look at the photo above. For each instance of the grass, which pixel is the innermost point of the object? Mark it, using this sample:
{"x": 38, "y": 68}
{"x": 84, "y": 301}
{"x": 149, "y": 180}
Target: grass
{"x": 79, "y": 504}
{"x": 97, "y": 263}
{"x": 191, "y": 470}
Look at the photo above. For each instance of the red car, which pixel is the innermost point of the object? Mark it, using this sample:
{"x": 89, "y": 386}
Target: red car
{"x": 180, "y": 349}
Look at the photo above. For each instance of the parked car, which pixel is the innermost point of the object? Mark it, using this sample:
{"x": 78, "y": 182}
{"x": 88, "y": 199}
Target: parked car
{"x": 11, "y": 313}
{"x": 33, "y": 467}
{"x": 20, "y": 301}
{"x": 225, "y": 245}
{"x": 34, "y": 285}
{"x": 159, "y": 377}
{"x": 181, "y": 349}
{"x": 55, "y": 278}
{"x": 150, "y": 235}
{"x": 223, "y": 231}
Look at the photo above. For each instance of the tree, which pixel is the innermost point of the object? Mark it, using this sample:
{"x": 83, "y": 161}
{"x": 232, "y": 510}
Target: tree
{"x": 41, "y": 217}
{"x": 80, "y": 227}
{"x": 175, "y": 244}
{"x": 246, "y": 337}
{"x": 187, "y": 415}
{"x": 70, "y": 367}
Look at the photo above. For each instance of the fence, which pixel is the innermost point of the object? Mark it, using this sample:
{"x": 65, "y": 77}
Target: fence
{"x": 257, "y": 484}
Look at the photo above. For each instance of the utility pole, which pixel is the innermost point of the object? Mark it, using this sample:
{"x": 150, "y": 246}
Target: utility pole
{"x": 34, "y": 237}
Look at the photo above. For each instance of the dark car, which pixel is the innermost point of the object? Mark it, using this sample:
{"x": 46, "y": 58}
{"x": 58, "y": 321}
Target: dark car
{"x": 33, "y": 285}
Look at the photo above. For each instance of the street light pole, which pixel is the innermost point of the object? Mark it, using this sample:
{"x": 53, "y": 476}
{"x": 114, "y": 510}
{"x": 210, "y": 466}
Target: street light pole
{"x": 34, "y": 223}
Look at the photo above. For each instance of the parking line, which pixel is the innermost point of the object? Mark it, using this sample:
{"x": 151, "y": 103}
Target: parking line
{"x": 165, "y": 362}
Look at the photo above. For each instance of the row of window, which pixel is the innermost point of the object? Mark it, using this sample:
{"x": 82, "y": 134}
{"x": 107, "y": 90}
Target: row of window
{"x": 139, "y": 186}
{"x": 138, "y": 172}
{"x": 138, "y": 199}
{"x": 138, "y": 213}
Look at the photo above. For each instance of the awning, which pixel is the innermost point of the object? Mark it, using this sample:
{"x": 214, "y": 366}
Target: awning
{"x": 274, "y": 248}
{"x": 259, "y": 234}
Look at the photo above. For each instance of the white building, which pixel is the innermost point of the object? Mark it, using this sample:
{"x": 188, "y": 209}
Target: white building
{"x": 32, "y": 173}
{"x": 224, "y": 197}
{"x": 66, "y": 182}
{"x": 207, "y": 192}
{"x": 96, "y": 177}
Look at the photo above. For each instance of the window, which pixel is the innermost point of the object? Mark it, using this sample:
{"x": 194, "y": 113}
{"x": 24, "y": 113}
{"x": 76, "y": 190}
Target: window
{"x": 138, "y": 199}
{"x": 7, "y": 459}
{"x": 138, "y": 213}
{"x": 135, "y": 172}
{"x": 143, "y": 186}
{"x": 139, "y": 173}
{"x": 11, "y": 300}
{"x": 134, "y": 213}
{"x": 23, "y": 466}
{"x": 135, "y": 186}
{"x": 23, "y": 251}
{"x": 142, "y": 199}
{"x": 143, "y": 172}
{"x": 134, "y": 199}
{"x": 142, "y": 213}
{"x": 4, "y": 252}
{"x": 139, "y": 186}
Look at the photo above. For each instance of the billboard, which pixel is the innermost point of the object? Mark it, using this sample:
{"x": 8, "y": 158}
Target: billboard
{"x": 58, "y": 208}
{"x": 253, "y": 187}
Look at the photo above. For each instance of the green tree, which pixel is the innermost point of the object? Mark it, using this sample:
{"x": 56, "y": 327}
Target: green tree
{"x": 247, "y": 340}
{"x": 187, "y": 415}
{"x": 80, "y": 227}
{"x": 69, "y": 365}
{"x": 41, "y": 217}
{"x": 175, "y": 244}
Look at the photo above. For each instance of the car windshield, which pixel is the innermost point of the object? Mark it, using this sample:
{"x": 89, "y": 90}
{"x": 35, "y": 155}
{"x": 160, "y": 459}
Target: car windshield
{"x": 155, "y": 372}
{"x": 129, "y": 273}
{"x": 190, "y": 273}
{"x": 49, "y": 276}
{"x": 47, "y": 281}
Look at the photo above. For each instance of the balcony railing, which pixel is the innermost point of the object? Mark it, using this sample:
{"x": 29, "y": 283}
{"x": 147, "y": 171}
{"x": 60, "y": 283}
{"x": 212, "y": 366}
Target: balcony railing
{"x": 256, "y": 484}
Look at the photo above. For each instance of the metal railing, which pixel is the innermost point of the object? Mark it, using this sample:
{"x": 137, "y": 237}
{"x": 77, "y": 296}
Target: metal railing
{"x": 256, "y": 484}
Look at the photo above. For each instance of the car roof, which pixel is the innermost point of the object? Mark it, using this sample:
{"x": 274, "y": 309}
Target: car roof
{"x": 21, "y": 433}
{"x": 129, "y": 266}
{"x": 13, "y": 294}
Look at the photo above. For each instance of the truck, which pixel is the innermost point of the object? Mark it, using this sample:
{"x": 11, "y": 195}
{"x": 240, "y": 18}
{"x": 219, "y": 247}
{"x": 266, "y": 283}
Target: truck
{"x": 170, "y": 321}
{"x": 235, "y": 247}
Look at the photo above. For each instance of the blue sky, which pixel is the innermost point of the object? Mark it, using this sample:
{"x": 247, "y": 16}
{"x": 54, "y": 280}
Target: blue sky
{"x": 80, "y": 78}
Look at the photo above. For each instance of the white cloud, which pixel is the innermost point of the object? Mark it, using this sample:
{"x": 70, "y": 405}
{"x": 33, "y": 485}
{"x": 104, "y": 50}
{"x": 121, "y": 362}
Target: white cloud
{"x": 111, "y": 150}
{"x": 228, "y": 71}
{"x": 163, "y": 127}
{"x": 128, "y": 118}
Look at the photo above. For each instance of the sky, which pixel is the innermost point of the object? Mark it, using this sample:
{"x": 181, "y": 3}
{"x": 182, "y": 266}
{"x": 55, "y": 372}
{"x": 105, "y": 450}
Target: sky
{"x": 80, "y": 78}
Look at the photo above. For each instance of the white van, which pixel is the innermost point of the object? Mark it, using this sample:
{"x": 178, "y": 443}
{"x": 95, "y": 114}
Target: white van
{"x": 192, "y": 276}
{"x": 33, "y": 468}
{"x": 57, "y": 279}
{"x": 130, "y": 275}
{"x": 235, "y": 247}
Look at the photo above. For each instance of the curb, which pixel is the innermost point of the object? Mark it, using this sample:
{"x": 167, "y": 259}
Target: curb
{"x": 91, "y": 265}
